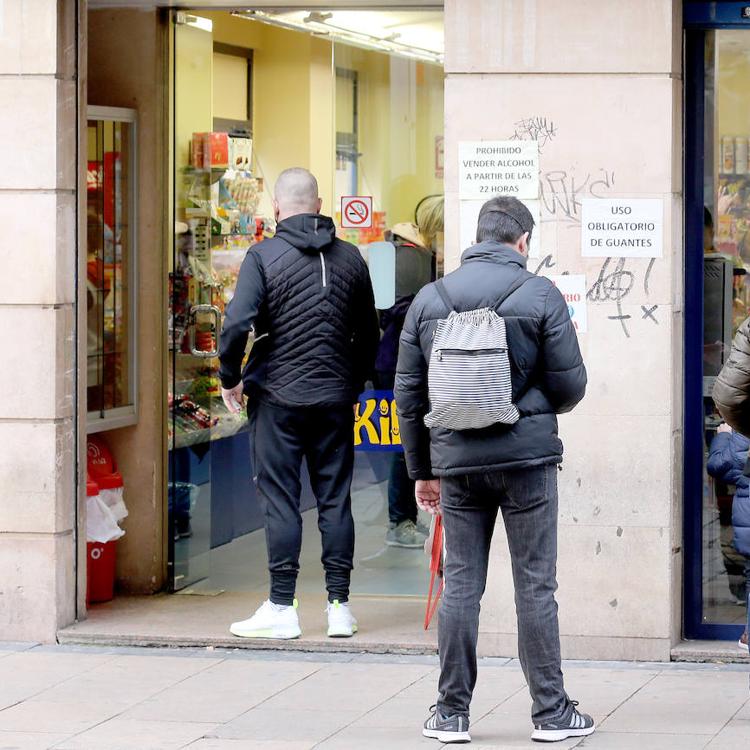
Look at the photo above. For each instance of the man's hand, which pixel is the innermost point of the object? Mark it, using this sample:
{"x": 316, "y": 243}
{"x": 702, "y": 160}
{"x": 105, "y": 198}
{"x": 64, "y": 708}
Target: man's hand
{"x": 723, "y": 427}
{"x": 234, "y": 398}
{"x": 427, "y": 493}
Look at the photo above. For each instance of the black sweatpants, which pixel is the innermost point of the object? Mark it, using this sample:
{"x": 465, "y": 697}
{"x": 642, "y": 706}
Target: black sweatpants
{"x": 282, "y": 437}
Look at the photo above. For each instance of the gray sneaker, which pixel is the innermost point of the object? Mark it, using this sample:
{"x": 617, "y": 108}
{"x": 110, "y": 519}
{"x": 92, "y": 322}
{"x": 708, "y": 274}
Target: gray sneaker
{"x": 575, "y": 724}
{"x": 446, "y": 728}
{"x": 405, "y": 534}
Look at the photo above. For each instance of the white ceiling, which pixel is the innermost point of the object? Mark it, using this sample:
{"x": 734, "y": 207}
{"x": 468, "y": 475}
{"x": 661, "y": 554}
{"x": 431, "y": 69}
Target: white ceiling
{"x": 275, "y": 4}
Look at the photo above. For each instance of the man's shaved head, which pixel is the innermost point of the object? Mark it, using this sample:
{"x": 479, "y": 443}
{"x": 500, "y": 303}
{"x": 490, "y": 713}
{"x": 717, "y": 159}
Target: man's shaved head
{"x": 296, "y": 192}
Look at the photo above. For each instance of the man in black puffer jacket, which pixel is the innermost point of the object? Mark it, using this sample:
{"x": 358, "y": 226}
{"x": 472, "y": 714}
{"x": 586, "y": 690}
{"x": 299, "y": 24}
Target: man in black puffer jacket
{"x": 306, "y": 297}
{"x": 468, "y": 475}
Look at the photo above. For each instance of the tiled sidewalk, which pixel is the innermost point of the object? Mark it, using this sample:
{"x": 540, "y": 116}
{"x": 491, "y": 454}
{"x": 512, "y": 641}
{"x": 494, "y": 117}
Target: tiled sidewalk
{"x": 85, "y": 698}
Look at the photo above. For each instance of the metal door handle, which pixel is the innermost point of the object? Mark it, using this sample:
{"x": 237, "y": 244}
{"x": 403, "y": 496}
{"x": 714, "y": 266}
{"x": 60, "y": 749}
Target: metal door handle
{"x": 195, "y": 310}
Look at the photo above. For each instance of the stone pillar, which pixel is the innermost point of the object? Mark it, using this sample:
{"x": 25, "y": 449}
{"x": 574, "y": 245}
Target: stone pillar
{"x": 38, "y": 132}
{"x": 598, "y": 83}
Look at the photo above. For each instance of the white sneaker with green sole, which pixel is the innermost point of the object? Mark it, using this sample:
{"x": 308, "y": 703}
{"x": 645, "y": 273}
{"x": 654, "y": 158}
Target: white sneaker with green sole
{"x": 269, "y": 621}
{"x": 341, "y": 622}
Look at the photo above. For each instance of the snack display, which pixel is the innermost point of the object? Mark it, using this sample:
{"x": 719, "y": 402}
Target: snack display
{"x": 218, "y": 196}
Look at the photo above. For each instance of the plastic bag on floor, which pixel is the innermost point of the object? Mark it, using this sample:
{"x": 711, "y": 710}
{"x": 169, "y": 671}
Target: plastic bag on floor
{"x": 101, "y": 524}
{"x": 113, "y": 499}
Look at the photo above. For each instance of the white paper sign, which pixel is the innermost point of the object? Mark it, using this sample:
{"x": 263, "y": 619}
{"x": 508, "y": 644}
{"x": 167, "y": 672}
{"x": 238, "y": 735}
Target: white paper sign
{"x": 573, "y": 289}
{"x": 469, "y": 215}
{"x": 622, "y": 227}
{"x": 487, "y": 168}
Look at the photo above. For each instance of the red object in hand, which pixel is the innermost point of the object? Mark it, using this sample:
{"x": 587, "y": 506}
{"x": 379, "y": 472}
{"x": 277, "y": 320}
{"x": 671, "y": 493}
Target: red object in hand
{"x": 436, "y": 571}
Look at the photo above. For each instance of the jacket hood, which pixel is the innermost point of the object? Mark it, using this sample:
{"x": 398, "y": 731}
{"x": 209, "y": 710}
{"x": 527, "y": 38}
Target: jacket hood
{"x": 307, "y": 232}
{"x": 495, "y": 252}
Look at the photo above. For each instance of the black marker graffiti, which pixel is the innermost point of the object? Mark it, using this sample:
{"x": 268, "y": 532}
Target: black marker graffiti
{"x": 614, "y": 284}
{"x": 546, "y": 262}
{"x": 647, "y": 277}
{"x": 534, "y": 129}
{"x": 562, "y": 192}
{"x": 611, "y": 286}
{"x": 648, "y": 313}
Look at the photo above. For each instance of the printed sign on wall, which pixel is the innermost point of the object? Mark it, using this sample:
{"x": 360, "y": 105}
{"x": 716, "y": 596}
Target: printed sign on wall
{"x": 356, "y": 211}
{"x": 487, "y": 168}
{"x": 573, "y": 289}
{"x": 622, "y": 227}
{"x": 469, "y": 215}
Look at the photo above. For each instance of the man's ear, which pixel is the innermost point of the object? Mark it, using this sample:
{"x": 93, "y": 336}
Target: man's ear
{"x": 320, "y": 205}
{"x": 523, "y": 244}
{"x": 275, "y": 205}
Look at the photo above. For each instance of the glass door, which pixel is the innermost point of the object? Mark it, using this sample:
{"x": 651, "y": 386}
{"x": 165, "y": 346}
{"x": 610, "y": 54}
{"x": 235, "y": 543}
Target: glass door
{"x": 214, "y": 221}
{"x": 192, "y": 335}
{"x": 362, "y": 108}
{"x": 717, "y": 301}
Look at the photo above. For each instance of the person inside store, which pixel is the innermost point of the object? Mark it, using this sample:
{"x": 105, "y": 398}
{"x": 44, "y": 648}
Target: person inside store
{"x": 414, "y": 267}
{"x": 727, "y": 459}
{"x": 307, "y": 299}
{"x": 502, "y": 358}
{"x": 731, "y": 395}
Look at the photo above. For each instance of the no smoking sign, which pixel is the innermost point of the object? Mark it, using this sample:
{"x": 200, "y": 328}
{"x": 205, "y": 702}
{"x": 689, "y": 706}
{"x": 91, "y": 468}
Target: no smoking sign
{"x": 356, "y": 211}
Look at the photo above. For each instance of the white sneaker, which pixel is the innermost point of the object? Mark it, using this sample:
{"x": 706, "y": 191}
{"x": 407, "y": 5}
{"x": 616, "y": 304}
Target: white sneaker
{"x": 341, "y": 622}
{"x": 269, "y": 621}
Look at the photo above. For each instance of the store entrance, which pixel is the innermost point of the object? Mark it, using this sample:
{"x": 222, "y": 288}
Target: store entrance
{"x": 717, "y": 301}
{"x": 357, "y": 98}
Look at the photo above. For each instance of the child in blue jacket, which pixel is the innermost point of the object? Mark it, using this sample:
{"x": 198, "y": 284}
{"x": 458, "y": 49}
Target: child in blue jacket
{"x": 727, "y": 457}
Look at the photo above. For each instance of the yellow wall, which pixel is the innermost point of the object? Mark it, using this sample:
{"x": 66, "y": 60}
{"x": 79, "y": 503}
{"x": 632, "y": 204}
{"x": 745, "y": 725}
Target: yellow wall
{"x": 400, "y": 113}
{"x": 732, "y": 88}
{"x": 294, "y": 113}
{"x": 193, "y": 87}
{"x": 230, "y": 87}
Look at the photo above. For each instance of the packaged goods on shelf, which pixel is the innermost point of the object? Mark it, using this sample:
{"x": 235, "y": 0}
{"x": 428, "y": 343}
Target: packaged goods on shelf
{"x": 240, "y": 152}
{"x": 209, "y": 150}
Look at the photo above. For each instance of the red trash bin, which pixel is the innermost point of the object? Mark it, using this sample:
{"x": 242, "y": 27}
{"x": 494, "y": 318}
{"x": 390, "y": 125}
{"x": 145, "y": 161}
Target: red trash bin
{"x": 100, "y": 563}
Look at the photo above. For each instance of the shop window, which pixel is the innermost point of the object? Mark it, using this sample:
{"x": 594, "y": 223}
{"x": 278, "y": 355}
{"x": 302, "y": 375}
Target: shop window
{"x": 110, "y": 268}
{"x": 726, "y": 302}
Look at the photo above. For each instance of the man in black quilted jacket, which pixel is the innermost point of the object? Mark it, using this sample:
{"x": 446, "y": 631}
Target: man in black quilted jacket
{"x": 306, "y": 298}
{"x": 471, "y": 474}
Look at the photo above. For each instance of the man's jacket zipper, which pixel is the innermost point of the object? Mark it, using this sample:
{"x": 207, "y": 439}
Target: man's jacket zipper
{"x": 323, "y": 270}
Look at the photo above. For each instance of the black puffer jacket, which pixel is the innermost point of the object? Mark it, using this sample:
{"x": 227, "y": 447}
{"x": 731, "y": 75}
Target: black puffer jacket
{"x": 307, "y": 296}
{"x": 547, "y": 371}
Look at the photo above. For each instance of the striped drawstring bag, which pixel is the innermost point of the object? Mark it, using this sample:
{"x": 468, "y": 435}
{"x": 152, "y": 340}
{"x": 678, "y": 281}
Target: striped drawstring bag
{"x": 469, "y": 370}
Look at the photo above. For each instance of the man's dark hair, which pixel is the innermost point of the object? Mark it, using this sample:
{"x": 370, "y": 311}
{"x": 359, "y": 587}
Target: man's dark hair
{"x": 504, "y": 219}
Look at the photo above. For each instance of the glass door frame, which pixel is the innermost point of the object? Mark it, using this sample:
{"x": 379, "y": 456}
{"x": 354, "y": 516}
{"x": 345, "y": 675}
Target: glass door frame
{"x": 698, "y": 18}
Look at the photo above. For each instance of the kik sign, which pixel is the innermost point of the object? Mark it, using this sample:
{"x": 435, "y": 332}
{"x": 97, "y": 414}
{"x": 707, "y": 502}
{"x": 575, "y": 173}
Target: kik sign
{"x": 376, "y": 425}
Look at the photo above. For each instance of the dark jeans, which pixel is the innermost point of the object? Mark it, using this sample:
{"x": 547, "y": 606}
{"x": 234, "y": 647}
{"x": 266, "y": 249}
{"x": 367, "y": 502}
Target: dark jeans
{"x": 402, "y": 505}
{"x": 528, "y": 501}
{"x": 282, "y": 437}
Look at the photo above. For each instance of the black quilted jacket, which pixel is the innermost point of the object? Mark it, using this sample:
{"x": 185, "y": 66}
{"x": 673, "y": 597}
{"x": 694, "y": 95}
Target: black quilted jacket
{"x": 308, "y": 299}
{"x": 547, "y": 372}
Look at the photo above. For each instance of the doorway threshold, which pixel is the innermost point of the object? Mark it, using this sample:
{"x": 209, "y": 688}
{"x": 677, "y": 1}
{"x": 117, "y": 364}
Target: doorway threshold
{"x": 720, "y": 652}
{"x": 386, "y": 625}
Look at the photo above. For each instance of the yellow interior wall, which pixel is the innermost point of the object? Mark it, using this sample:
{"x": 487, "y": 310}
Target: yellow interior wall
{"x": 400, "y": 113}
{"x": 194, "y": 53}
{"x": 230, "y": 87}
{"x": 733, "y": 92}
{"x": 294, "y": 113}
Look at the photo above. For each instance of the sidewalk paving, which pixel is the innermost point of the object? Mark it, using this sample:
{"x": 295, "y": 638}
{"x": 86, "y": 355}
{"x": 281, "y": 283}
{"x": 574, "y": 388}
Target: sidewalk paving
{"x": 89, "y": 698}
